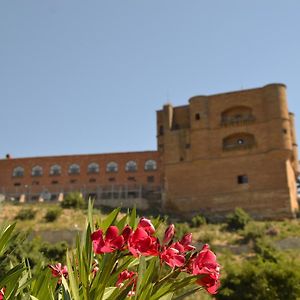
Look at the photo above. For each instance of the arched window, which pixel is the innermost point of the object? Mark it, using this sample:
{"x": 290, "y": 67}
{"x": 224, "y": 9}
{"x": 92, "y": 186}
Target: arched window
{"x": 131, "y": 166}
{"x": 239, "y": 141}
{"x": 55, "y": 170}
{"x": 237, "y": 114}
{"x": 18, "y": 172}
{"x": 112, "y": 167}
{"x": 93, "y": 168}
{"x": 74, "y": 169}
{"x": 150, "y": 165}
{"x": 37, "y": 171}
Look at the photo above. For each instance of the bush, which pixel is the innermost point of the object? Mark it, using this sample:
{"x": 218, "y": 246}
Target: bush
{"x": 237, "y": 220}
{"x": 26, "y": 214}
{"x": 261, "y": 280}
{"x": 252, "y": 232}
{"x": 197, "y": 221}
{"x": 73, "y": 200}
{"x": 52, "y": 214}
{"x": 54, "y": 252}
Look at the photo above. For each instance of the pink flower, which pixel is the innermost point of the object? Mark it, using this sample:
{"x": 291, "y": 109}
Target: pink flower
{"x": 172, "y": 257}
{"x": 211, "y": 282}
{"x": 95, "y": 270}
{"x": 186, "y": 242}
{"x": 123, "y": 276}
{"x": 184, "y": 245}
{"x": 58, "y": 271}
{"x": 169, "y": 233}
{"x": 141, "y": 243}
{"x": 126, "y": 232}
{"x": 2, "y": 291}
{"x": 112, "y": 241}
{"x": 205, "y": 263}
{"x": 146, "y": 225}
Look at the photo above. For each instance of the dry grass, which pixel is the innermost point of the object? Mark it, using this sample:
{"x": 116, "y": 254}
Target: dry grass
{"x": 69, "y": 219}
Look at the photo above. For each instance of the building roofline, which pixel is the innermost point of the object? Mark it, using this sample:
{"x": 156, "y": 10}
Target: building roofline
{"x": 88, "y": 154}
{"x": 239, "y": 91}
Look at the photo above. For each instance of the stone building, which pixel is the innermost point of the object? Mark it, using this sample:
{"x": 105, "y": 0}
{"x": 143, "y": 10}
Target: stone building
{"x": 112, "y": 179}
{"x": 228, "y": 150}
{"x": 218, "y": 152}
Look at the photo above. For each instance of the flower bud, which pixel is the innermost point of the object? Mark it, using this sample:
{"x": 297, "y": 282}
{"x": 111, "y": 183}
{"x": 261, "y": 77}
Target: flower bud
{"x": 169, "y": 233}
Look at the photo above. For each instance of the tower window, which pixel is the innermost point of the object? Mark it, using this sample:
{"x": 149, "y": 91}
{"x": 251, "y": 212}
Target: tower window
{"x": 242, "y": 179}
{"x": 197, "y": 116}
{"x": 161, "y": 130}
{"x": 284, "y": 131}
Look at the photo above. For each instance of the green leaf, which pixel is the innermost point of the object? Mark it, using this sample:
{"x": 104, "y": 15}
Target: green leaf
{"x": 108, "y": 292}
{"x": 167, "y": 297}
{"x": 5, "y": 236}
{"x": 73, "y": 285}
{"x": 132, "y": 219}
{"x": 141, "y": 272}
{"x": 110, "y": 219}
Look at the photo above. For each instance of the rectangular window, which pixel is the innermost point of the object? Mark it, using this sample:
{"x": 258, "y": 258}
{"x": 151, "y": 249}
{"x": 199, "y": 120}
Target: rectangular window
{"x": 111, "y": 179}
{"x": 150, "y": 179}
{"x": 17, "y": 184}
{"x": 73, "y": 181}
{"x": 54, "y": 182}
{"x": 131, "y": 178}
{"x": 242, "y": 179}
{"x": 197, "y": 116}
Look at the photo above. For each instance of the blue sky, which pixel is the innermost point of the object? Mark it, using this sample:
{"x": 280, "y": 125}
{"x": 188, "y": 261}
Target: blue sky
{"x": 88, "y": 76}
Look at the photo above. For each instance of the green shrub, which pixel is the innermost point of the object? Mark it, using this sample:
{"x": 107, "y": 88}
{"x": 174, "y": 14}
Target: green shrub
{"x": 54, "y": 252}
{"x": 26, "y": 214}
{"x": 266, "y": 251}
{"x": 73, "y": 200}
{"x": 237, "y": 220}
{"x": 52, "y": 214}
{"x": 197, "y": 221}
{"x": 252, "y": 232}
{"x": 261, "y": 280}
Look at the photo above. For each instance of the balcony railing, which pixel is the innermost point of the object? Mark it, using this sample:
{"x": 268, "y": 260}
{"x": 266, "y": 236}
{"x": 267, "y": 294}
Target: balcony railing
{"x": 236, "y": 147}
{"x": 238, "y": 120}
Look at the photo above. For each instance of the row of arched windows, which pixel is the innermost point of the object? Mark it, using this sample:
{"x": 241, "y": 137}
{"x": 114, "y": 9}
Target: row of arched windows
{"x": 111, "y": 167}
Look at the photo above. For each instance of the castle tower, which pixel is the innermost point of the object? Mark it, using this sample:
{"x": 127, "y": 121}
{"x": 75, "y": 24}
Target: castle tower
{"x": 236, "y": 149}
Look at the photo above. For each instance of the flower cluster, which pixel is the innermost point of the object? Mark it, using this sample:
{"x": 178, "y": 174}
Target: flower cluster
{"x": 58, "y": 271}
{"x": 143, "y": 242}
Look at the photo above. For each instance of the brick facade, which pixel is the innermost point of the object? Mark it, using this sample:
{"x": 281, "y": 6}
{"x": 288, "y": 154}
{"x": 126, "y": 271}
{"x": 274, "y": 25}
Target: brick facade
{"x": 230, "y": 150}
{"x": 214, "y": 154}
